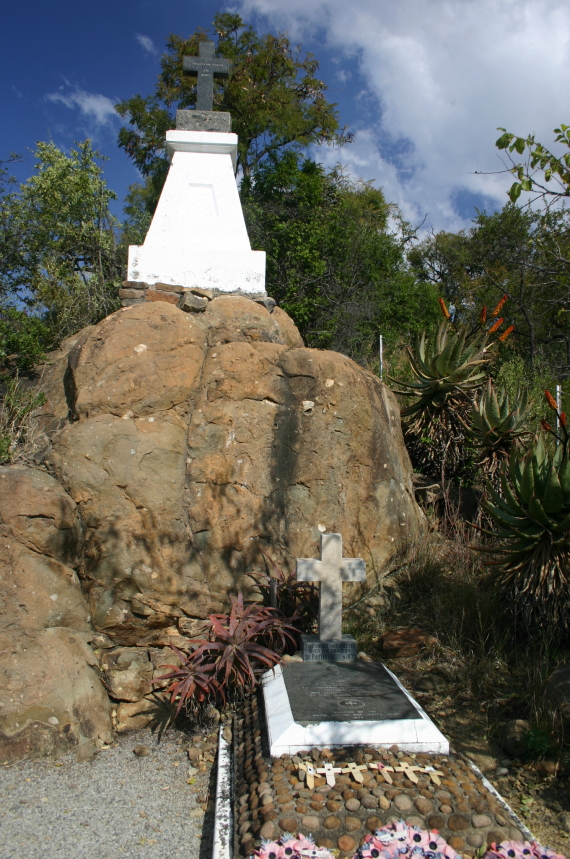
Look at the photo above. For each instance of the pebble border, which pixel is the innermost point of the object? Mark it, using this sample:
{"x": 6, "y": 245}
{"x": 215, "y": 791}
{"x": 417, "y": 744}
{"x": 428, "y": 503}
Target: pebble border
{"x": 493, "y": 790}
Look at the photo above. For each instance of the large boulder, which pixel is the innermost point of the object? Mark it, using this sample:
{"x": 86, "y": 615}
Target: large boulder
{"x": 194, "y": 441}
{"x": 51, "y": 696}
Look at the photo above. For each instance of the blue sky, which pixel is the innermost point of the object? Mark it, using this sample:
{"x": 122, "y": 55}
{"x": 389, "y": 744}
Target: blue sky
{"x": 423, "y": 83}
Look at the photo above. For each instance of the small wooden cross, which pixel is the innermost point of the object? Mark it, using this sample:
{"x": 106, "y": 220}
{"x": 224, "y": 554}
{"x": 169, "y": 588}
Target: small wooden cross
{"x": 384, "y": 771}
{"x": 355, "y": 771}
{"x": 433, "y": 774}
{"x": 328, "y": 770}
{"x": 409, "y": 771}
{"x": 310, "y": 773}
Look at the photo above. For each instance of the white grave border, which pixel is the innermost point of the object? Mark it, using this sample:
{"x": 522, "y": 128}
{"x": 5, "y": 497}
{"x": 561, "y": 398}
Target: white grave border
{"x": 287, "y": 736}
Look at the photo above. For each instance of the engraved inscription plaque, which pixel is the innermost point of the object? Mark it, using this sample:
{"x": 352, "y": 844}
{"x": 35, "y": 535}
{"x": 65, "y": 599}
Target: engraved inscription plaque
{"x": 344, "y": 692}
{"x": 313, "y": 649}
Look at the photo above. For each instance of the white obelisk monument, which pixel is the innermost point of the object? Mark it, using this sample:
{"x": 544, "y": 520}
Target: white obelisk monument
{"x": 198, "y": 237}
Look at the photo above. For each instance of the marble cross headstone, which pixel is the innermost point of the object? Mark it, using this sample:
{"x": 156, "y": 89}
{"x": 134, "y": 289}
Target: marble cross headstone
{"x": 206, "y": 66}
{"x": 331, "y": 571}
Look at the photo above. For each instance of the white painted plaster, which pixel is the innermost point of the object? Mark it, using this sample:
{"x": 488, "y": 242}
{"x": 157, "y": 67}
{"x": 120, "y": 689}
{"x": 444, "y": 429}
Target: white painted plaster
{"x": 198, "y": 236}
{"x": 223, "y": 823}
{"x": 287, "y": 736}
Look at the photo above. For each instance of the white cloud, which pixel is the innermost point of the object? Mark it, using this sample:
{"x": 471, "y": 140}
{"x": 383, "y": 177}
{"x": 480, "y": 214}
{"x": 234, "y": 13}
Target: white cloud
{"x": 147, "y": 44}
{"x": 97, "y": 108}
{"x": 443, "y": 75}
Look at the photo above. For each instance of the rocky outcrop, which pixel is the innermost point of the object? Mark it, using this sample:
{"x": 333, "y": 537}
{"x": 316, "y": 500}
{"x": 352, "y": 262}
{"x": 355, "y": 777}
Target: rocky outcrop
{"x": 191, "y": 442}
{"x": 51, "y": 697}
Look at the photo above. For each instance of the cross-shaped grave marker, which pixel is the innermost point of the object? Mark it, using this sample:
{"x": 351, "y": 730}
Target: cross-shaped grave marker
{"x": 331, "y": 571}
{"x": 384, "y": 771}
{"x": 328, "y": 770}
{"x": 355, "y": 771}
{"x": 409, "y": 771}
{"x": 433, "y": 774}
{"x": 310, "y": 773}
{"x": 206, "y": 66}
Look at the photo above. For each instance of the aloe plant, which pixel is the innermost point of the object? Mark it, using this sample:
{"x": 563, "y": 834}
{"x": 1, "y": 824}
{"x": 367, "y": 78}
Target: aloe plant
{"x": 495, "y": 426}
{"x": 282, "y": 590}
{"x": 448, "y": 370}
{"x": 532, "y": 523}
{"x": 240, "y": 646}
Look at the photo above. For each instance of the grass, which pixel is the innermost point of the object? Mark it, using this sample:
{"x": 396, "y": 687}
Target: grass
{"x": 443, "y": 587}
{"x": 20, "y": 438}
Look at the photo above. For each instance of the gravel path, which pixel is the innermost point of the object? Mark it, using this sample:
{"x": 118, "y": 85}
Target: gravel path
{"x": 116, "y": 805}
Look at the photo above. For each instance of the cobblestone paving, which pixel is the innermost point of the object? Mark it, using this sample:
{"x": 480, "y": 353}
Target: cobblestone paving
{"x": 271, "y": 798}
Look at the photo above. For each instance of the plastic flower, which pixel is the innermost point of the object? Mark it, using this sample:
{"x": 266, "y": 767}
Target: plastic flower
{"x": 271, "y": 850}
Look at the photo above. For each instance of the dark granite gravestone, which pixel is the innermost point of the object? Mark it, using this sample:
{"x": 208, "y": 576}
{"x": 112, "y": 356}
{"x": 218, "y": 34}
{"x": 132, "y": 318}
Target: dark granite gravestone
{"x": 206, "y": 66}
{"x": 332, "y": 704}
{"x": 333, "y": 692}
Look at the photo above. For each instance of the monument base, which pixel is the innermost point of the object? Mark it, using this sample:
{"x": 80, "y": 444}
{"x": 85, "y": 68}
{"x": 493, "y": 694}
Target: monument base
{"x": 330, "y": 705}
{"x": 226, "y": 271}
{"x": 313, "y": 649}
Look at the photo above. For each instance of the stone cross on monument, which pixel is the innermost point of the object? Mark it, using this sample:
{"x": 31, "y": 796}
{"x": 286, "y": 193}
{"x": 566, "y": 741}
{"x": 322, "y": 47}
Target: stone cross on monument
{"x": 206, "y": 66}
{"x": 198, "y": 239}
{"x": 331, "y": 571}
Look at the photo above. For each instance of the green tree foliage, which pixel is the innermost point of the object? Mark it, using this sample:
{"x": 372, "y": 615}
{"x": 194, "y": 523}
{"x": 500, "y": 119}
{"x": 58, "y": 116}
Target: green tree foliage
{"x": 541, "y": 167}
{"x": 333, "y": 261}
{"x": 518, "y": 252}
{"x": 59, "y": 269}
{"x": 275, "y": 99}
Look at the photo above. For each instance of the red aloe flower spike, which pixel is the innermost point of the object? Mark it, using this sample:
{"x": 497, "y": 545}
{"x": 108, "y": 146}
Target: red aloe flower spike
{"x": 550, "y": 400}
{"x": 562, "y": 417}
{"x": 444, "y": 309}
{"x": 483, "y": 317}
{"x": 499, "y": 306}
{"x": 496, "y": 325}
{"x": 506, "y": 333}
{"x": 545, "y": 426}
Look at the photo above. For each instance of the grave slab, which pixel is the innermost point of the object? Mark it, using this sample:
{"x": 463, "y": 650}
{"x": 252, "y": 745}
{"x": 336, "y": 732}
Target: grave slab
{"x": 324, "y": 705}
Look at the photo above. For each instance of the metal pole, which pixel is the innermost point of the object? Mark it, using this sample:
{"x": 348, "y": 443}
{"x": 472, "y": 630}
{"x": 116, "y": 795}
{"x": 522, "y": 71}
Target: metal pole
{"x": 381, "y": 357}
{"x": 558, "y": 407}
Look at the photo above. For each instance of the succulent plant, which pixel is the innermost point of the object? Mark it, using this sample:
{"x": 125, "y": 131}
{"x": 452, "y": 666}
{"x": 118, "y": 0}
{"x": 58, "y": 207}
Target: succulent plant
{"x": 532, "y": 523}
{"x": 449, "y": 367}
{"x": 447, "y": 371}
{"x": 495, "y": 426}
{"x": 280, "y": 589}
{"x": 240, "y": 646}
